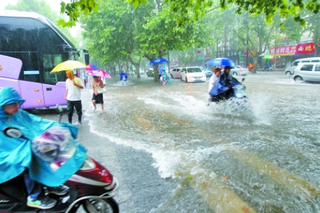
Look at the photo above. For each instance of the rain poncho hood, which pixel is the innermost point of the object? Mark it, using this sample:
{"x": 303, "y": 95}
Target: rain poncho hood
{"x": 16, "y": 153}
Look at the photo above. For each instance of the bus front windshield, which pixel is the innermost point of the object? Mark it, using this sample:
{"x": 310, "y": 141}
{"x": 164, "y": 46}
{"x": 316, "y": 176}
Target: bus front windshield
{"x": 38, "y": 45}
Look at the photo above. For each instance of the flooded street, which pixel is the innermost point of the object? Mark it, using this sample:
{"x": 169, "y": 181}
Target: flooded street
{"x": 173, "y": 153}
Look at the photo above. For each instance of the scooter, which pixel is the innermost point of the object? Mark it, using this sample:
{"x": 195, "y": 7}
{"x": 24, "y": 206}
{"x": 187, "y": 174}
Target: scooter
{"x": 235, "y": 92}
{"x": 92, "y": 186}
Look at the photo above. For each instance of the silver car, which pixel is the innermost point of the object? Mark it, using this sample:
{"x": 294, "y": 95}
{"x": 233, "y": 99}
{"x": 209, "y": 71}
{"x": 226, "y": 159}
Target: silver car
{"x": 307, "y": 72}
{"x": 176, "y": 72}
{"x": 238, "y": 70}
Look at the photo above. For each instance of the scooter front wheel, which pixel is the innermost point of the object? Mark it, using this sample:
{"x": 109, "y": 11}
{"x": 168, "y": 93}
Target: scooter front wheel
{"x": 103, "y": 205}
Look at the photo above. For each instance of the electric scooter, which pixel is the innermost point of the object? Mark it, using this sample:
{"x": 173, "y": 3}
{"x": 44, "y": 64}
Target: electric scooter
{"x": 92, "y": 187}
{"x": 235, "y": 93}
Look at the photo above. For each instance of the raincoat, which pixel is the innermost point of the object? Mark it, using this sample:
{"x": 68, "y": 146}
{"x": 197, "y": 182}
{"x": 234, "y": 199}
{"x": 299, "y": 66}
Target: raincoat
{"x": 166, "y": 77}
{"x": 16, "y": 153}
{"x": 123, "y": 76}
{"x": 224, "y": 83}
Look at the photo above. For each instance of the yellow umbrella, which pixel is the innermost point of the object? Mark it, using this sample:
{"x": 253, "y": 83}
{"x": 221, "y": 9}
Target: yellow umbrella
{"x": 68, "y": 65}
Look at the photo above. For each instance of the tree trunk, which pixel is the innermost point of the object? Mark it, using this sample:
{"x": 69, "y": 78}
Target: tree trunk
{"x": 255, "y": 64}
{"x": 155, "y": 73}
{"x": 316, "y": 40}
{"x": 137, "y": 66}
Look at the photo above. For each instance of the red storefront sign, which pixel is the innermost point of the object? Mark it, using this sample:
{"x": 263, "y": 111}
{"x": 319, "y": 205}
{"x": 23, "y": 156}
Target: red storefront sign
{"x": 284, "y": 50}
{"x": 305, "y": 48}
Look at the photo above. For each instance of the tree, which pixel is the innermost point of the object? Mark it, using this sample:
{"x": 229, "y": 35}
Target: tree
{"x": 118, "y": 32}
{"x": 198, "y": 8}
{"x": 313, "y": 26}
{"x": 255, "y": 34}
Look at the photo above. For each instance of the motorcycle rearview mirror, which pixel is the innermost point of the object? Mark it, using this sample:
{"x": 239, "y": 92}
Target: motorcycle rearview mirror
{"x": 13, "y": 132}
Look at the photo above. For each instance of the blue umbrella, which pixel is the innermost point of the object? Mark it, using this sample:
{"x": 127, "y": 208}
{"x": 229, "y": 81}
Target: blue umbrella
{"x": 221, "y": 62}
{"x": 158, "y": 61}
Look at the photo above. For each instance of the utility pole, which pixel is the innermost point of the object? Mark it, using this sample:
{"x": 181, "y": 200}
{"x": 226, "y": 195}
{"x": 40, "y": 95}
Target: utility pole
{"x": 247, "y": 43}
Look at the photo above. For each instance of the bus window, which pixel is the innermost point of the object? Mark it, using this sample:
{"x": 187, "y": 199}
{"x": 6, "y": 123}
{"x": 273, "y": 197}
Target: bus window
{"x": 40, "y": 46}
{"x": 29, "y": 70}
{"x": 49, "y": 61}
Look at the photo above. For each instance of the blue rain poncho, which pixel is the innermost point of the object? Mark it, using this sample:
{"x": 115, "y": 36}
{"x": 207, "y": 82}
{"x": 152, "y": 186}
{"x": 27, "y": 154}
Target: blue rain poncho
{"x": 123, "y": 76}
{"x": 224, "y": 82}
{"x": 16, "y": 153}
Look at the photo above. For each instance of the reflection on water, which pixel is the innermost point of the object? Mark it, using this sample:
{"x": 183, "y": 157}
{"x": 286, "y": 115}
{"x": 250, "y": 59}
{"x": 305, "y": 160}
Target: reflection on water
{"x": 263, "y": 160}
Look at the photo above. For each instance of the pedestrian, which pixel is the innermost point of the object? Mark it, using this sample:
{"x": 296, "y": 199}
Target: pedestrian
{"x": 98, "y": 90}
{"x": 17, "y": 158}
{"x": 123, "y": 78}
{"x": 73, "y": 95}
{"x": 165, "y": 78}
{"x": 250, "y": 67}
{"x": 212, "y": 81}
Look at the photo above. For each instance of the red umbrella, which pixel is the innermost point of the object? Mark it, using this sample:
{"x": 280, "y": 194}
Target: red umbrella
{"x": 100, "y": 73}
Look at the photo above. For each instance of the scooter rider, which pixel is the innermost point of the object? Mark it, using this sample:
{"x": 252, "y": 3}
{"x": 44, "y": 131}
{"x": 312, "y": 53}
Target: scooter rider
{"x": 226, "y": 79}
{"x": 16, "y": 156}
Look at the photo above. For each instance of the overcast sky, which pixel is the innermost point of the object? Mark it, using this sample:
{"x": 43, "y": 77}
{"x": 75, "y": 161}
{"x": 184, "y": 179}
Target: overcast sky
{"x": 54, "y": 4}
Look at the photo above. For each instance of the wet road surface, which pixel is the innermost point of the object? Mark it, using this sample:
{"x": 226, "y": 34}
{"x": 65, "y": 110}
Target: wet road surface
{"x": 173, "y": 153}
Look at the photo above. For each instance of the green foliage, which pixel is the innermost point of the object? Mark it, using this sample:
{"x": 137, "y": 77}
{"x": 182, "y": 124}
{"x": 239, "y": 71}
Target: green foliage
{"x": 119, "y": 32}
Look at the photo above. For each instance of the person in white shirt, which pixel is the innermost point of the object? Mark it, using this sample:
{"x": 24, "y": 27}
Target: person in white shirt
{"x": 213, "y": 80}
{"x": 73, "y": 95}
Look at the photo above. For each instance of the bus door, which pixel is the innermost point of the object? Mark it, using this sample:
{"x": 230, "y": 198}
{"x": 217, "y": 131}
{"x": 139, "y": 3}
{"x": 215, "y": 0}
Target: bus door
{"x": 32, "y": 93}
{"x": 54, "y": 94}
{"x": 53, "y": 84}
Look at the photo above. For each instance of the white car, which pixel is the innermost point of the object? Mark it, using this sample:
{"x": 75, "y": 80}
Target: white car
{"x": 176, "y": 72}
{"x": 141, "y": 71}
{"x": 290, "y": 69}
{"x": 192, "y": 74}
{"x": 307, "y": 72}
{"x": 238, "y": 70}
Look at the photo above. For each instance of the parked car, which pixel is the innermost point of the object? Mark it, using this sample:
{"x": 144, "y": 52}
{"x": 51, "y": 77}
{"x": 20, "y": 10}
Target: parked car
{"x": 176, "y": 72}
{"x": 207, "y": 72}
{"x": 141, "y": 71}
{"x": 307, "y": 72}
{"x": 192, "y": 74}
{"x": 150, "y": 72}
{"x": 238, "y": 70}
{"x": 291, "y": 68}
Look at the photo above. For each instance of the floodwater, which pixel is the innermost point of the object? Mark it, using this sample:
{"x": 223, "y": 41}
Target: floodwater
{"x": 173, "y": 153}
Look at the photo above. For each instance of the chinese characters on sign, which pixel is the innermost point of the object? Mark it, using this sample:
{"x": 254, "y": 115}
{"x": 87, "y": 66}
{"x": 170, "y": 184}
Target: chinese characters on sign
{"x": 305, "y": 48}
{"x": 294, "y": 49}
{"x": 284, "y": 50}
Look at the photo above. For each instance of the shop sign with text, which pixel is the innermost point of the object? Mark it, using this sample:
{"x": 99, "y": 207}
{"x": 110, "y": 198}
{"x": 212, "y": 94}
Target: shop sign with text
{"x": 284, "y": 50}
{"x": 305, "y": 48}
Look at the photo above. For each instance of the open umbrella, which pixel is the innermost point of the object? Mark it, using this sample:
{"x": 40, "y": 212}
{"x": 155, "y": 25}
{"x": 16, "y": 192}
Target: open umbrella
{"x": 158, "y": 61}
{"x": 68, "y": 65}
{"x": 221, "y": 62}
{"x": 91, "y": 67}
{"x": 100, "y": 73}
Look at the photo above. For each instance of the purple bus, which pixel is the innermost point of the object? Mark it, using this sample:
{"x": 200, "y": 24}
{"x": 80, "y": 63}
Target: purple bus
{"x": 30, "y": 47}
